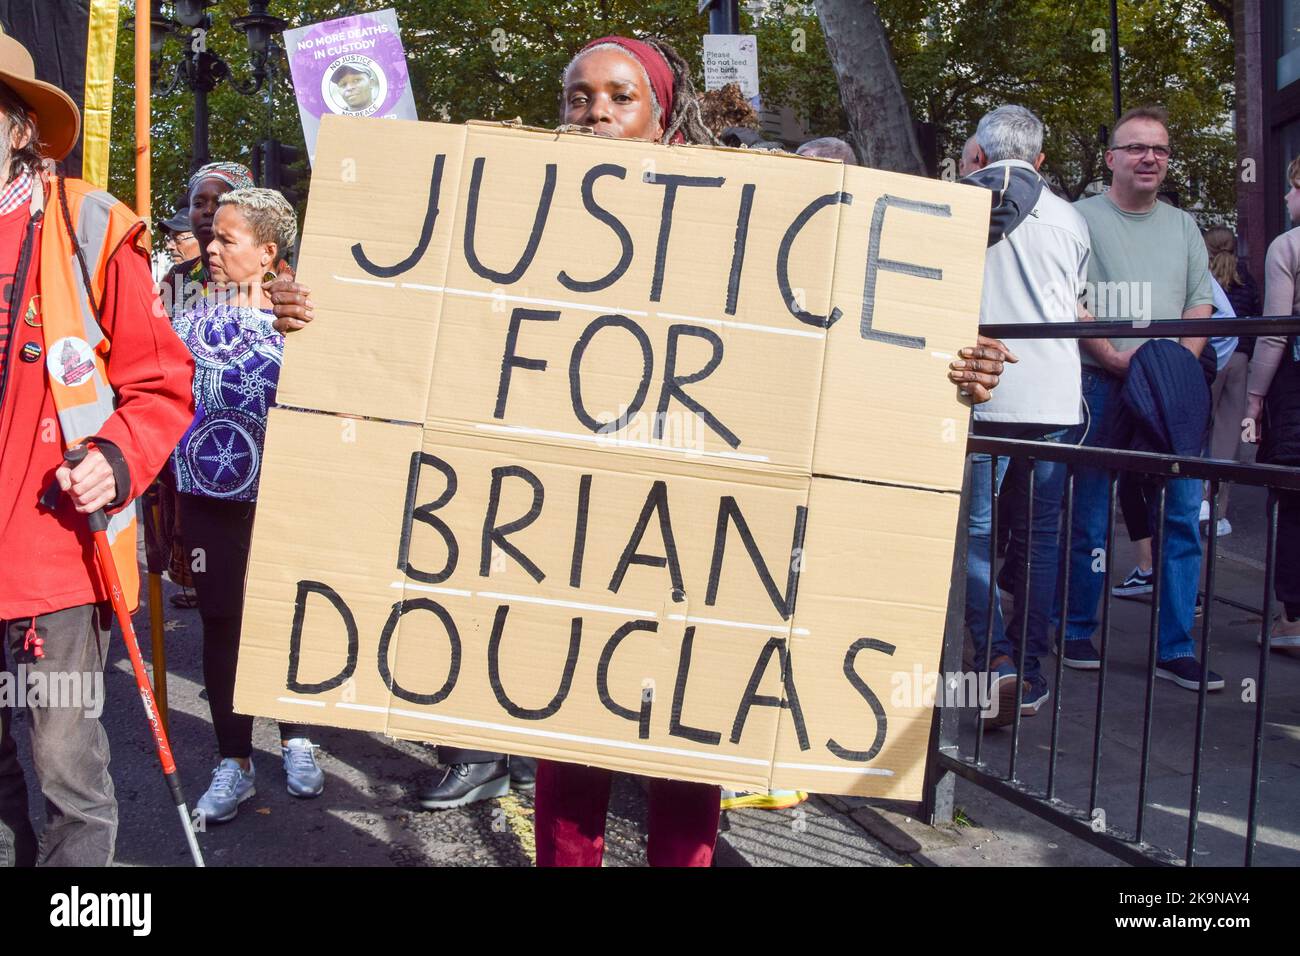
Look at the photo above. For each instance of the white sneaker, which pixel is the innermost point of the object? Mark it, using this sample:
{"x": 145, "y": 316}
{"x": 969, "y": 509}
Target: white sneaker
{"x": 302, "y": 774}
{"x": 1285, "y": 635}
{"x": 1205, "y": 510}
{"x": 1225, "y": 527}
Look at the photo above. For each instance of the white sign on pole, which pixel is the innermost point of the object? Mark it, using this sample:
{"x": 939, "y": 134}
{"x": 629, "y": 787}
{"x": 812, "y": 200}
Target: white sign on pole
{"x": 732, "y": 58}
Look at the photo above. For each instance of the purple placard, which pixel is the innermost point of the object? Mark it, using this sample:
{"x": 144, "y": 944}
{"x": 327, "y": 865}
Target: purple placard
{"x": 353, "y": 66}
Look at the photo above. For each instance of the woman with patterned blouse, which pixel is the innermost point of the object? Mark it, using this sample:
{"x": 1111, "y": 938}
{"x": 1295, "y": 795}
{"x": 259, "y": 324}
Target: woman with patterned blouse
{"x": 237, "y": 356}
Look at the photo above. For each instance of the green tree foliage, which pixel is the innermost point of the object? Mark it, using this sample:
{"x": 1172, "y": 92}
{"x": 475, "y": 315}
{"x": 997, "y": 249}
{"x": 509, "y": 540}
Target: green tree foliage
{"x": 960, "y": 59}
{"x": 794, "y": 69}
{"x": 468, "y": 59}
{"x": 236, "y": 122}
{"x": 503, "y": 59}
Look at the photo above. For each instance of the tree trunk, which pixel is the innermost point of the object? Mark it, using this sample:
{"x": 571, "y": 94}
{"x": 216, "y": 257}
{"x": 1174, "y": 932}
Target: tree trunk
{"x": 879, "y": 115}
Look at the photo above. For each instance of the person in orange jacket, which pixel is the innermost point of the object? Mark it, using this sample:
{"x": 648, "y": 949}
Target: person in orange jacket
{"x": 86, "y": 356}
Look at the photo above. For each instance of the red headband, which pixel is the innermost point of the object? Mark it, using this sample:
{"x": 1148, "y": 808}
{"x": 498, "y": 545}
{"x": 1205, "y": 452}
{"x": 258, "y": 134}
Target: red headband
{"x": 656, "y": 68}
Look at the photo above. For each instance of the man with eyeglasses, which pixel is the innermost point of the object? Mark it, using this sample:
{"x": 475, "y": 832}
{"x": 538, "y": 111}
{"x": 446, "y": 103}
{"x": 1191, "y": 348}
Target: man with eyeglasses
{"x": 179, "y": 237}
{"x": 1148, "y": 263}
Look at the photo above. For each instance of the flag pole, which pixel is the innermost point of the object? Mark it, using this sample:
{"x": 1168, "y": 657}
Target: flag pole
{"x": 143, "y": 188}
{"x": 143, "y": 27}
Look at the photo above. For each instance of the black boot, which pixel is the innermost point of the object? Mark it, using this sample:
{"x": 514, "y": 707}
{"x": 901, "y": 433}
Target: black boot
{"x": 459, "y": 784}
{"x": 523, "y": 773}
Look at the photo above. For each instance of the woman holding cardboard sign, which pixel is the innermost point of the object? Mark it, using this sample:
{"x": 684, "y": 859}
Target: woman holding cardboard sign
{"x": 626, "y": 89}
{"x": 630, "y": 89}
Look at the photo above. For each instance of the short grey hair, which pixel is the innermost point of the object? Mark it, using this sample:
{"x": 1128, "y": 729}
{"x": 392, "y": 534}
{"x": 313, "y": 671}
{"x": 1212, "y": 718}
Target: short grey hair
{"x": 1010, "y": 132}
{"x": 269, "y": 215}
{"x": 829, "y": 147}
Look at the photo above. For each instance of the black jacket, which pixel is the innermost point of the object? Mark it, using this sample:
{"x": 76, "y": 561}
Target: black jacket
{"x": 1245, "y": 302}
{"x": 1280, "y": 441}
{"x": 1165, "y": 403}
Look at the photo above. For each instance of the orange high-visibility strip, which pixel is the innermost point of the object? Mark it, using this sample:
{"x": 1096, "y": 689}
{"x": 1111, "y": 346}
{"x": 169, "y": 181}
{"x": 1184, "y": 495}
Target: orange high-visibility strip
{"x": 97, "y": 113}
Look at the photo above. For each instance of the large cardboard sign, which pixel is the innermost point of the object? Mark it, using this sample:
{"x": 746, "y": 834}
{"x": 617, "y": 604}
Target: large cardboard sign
{"x": 617, "y": 453}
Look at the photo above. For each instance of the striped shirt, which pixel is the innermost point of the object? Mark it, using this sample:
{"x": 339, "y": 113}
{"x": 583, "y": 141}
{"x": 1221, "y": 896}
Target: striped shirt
{"x": 17, "y": 193}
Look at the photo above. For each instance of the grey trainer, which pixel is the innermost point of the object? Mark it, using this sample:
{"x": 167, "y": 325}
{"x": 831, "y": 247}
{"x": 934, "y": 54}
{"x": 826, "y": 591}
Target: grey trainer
{"x": 305, "y": 778}
{"x": 231, "y": 785}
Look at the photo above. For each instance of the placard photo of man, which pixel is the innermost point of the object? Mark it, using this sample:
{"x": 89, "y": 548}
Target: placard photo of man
{"x": 356, "y": 88}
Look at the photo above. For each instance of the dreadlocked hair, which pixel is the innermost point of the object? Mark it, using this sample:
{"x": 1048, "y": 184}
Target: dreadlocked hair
{"x": 683, "y": 114}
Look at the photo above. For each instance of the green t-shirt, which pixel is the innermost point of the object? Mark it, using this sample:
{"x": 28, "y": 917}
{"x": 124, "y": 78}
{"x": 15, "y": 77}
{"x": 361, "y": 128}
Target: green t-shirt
{"x": 1145, "y": 266}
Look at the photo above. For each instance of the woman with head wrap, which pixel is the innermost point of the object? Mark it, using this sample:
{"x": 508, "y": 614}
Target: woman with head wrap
{"x": 186, "y": 281}
{"x": 626, "y": 89}
{"x": 206, "y": 187}
{"x": 185, "y": 284}
{"x": 642, "y": 89}
{"x": 633, "y": 89}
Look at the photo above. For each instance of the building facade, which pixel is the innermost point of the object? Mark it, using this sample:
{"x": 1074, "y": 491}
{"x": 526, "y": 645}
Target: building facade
{"x": 1268, "y": 112}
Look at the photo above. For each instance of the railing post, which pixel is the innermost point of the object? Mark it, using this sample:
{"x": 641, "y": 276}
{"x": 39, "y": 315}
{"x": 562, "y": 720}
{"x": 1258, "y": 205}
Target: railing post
{"x": 940, "y": 785}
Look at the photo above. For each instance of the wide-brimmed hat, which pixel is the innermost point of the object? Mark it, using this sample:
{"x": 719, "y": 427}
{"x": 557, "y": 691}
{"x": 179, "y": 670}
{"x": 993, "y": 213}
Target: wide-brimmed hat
{"x": 57, "y": 115}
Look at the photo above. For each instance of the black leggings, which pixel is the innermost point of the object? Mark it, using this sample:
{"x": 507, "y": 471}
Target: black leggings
{"x": 1287, "y": 575}
{"x": 217, "y": 535}
{"x": 1280, "y": 446}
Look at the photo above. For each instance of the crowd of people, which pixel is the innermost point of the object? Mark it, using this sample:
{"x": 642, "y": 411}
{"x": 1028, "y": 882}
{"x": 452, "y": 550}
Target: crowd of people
{"x": 1126, "y": 255}
{"x": 178, "y": 405}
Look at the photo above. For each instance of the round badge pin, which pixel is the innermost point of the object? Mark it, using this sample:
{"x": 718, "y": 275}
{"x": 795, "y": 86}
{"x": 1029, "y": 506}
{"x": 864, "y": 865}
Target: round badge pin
{"x": 70, "y": 361}
{"x": 31, "y": 352}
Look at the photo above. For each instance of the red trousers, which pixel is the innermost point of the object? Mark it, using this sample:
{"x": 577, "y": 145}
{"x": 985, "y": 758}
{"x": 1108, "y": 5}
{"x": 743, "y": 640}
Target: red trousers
{"x": 570, "y": 804}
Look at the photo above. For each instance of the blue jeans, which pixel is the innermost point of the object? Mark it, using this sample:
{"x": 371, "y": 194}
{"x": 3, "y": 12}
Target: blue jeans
{"x": 1049, "y": 483}
{"x": 1180, "y": 559}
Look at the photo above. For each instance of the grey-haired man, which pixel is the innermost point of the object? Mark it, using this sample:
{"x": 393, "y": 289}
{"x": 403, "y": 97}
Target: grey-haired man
{"x": 1034, "y": 272}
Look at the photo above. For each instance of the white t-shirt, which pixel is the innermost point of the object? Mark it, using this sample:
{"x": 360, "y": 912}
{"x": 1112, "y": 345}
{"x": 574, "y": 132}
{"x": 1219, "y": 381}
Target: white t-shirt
{"x": 1223, "y": 345}
{"x": 1037, "y": 274}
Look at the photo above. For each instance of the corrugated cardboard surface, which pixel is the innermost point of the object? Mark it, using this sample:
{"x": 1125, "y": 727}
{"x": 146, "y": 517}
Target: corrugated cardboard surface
{"x": 634, "y": 607}
{"x": 871, "y": 602}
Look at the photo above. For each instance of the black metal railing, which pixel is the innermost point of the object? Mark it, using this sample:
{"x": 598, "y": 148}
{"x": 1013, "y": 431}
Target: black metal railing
{"x": 947, "y": 759}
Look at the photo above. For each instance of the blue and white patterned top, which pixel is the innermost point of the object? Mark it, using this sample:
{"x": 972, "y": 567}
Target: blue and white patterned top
{"x": 237, "y": 358}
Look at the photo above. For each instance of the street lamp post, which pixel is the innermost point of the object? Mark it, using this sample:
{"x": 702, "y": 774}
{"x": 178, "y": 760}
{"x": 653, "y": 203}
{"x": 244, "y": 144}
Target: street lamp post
{"x": 724, "y": 15}
{"x": 202, "y": 71}
{"x": 1115, "y": 95}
